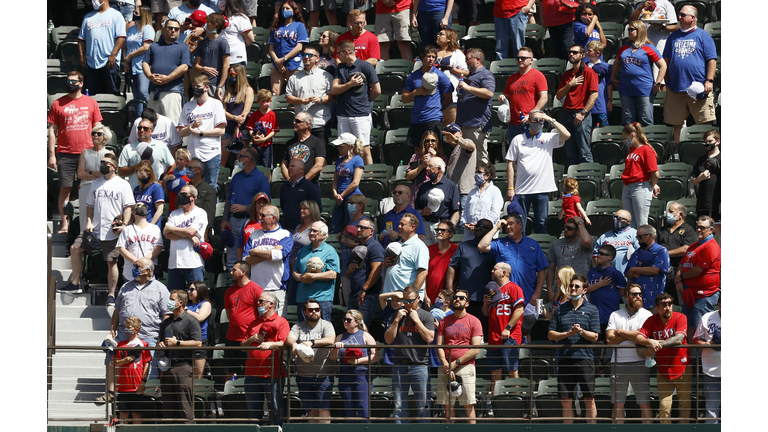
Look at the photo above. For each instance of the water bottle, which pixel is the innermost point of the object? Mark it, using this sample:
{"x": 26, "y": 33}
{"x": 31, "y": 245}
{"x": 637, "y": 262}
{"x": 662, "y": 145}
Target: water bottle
{"x": 157, "y": 391}
{"x": 87, "y": 93}
{"x": 234, "y": 377}
{"x": 50, "y": 26}
{"x": 460, "y": 92}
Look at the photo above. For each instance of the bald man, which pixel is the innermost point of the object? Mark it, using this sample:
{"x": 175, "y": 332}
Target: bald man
{"x": 622, "y": 237}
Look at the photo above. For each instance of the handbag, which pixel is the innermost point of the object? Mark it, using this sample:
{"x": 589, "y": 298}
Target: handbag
{"x": 567, "y": 6}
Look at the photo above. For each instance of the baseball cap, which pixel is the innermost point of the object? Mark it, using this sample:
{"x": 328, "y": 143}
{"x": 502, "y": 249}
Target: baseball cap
{"x": 351, "y": 231}
{"x": 394, "y": 249}
{"x": 434, "y": 198}
{"x": 176, "y": 184}
{"x": 514, "y": 207}
{"x": 452, "y": 128}
{"x": 437, "y": 314}
{"x": 696, "y": 91}
{"x": 345, "y": 138}
{"x": 504, "y": 113}
{"x": 306, "y": 353}
{"x": 429, "y": 82}
{"x": 358, "y": 254}
{"x": 454, "y": 387}
{"x": 492, "y": 289}
{"x": 261, "y": 195}
{"x": 198, "y": 18}
{"x": 205, "y": 250}
{"x": 227, "y": 237}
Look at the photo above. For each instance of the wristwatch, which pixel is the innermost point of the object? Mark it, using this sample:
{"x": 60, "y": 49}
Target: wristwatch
{"x": 508, "y": 327}
{"x": 585, "y": 112}
{"x": 710, "y": 80}
{"x": 178, "y": 342}
{"x": 313, "y": 342}
{"x": 201, "y": 133}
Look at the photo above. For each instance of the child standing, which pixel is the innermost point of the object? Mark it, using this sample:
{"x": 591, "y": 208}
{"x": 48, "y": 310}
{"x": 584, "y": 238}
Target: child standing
{"x": 212, "y": 55}
{"x": 587, "y": 26}
{"x": 572, "y": 202}
{"x": 603, "y": 104}
{"x": 133, "y": 369}
{"x": 267, "y": 118}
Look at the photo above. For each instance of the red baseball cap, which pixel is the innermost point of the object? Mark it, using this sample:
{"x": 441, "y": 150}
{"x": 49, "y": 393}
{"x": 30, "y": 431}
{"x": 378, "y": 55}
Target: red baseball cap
{"x": 198, "y": 18}
{"x": 205, "y": 250}
{"x": 261, "y": 195}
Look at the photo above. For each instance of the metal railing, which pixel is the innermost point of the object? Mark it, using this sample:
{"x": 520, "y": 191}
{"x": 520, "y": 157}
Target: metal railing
{"x": 532, "y": 398}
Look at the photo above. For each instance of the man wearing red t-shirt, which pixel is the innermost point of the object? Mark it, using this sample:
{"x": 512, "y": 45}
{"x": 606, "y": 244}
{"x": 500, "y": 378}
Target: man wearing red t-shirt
{"x": 460, "y": 328}
{"x": 264, "y": 372}
{"x": 366, "y": 44}
{"x": 240, "y": 301}
{"x": 440, "y": 255}
{"x": 578, "y": 91}
{"x": 133, "y": 369}
{"x": 526, "y": 91}
{"x": 698, "y": 278}
{"x": 70, "y": 121}
{"x": 660, "y": 333}
{"x": 504, "y": 306}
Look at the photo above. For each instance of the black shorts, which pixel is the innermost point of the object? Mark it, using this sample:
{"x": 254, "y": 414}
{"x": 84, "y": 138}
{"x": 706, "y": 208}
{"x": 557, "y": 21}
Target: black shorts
{"x": 130, "y": 402}
{"x": 235, "y": 358}
{"x": 576, "y": 371}
{"x": 66, "y": 165}
{"x": 202, "y": 354}
{"x": 603, "y": 328}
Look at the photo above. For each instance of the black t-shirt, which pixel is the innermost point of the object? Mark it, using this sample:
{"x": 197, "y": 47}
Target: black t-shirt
{"x": 682, "y": 235}
{"x": 408, "y": 334}
{"x": 708, "y": 196}
{"x": 183, "y": 328}
{"x": 307, "y": 150}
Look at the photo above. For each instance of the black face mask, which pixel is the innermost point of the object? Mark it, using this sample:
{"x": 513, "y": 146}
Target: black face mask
{"x": 709, "y": 147}
{"x": 643, "y": 245}
{"x": 195, "y": 3}
{"x": 143, "y": 180}
{"x": 198, "y": 91}
{"x": 184, "y": 200}
{"x": 72, "y": 88}
{"x": 141, "y": 211}
{"x": 432, "y": 177}
{"x": 104, "y": 168}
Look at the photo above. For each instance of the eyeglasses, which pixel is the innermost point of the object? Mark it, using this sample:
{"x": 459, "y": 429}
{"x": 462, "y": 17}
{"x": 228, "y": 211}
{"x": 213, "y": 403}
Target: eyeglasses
{"x": 307, "y": 55}
{"x": 242, "y": 156}
{"x": 261, "y": 301}
{"x": 195, "y": 168}
{"x": 601, "y": 253}
{"x": 186, "y": 194}
{"x": 665, "y": 304}
{"x": 348, "y": 320}
{"x": 297, "y": 121}
{"x": 323, "y": 36}
{"x": 137, "y": 266}
{"x": 701, "y": 228}
{"x": 143, "y": 128}
{"x": 312, "y": 230}
{"x": 312, "y": 309}
{"x": 575, "y": 52}
{"x": 263, "y": 215}
{"x": 173, "y": 28}
{"x": 409, "y": 301}
{"x": 399, "y": 193}
{"x": 97, "y": 134}
{"x": 575, "y": 286}
{"x": 361, "y": 228}
{"x": 631, "y": 29}
{"x": 569, "y": 228}
{"x": 191, "y": 289}
{"x": 459, "y": 297}
{"x": 440, "y": 230}
{"x": 440, "y": 34}
{"x": 232, "y": 74}
{"x": 620, "y": 218}
{"x": 636, "y": 294}
{"x": 641, "y": 235}
{"x": 682, "y": 15}
{"x": 523, "y": 58}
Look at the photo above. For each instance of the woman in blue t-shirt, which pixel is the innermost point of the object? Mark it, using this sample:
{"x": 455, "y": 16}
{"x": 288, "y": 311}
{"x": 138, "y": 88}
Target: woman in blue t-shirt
{"x": 287, "y": 37}
{"x": 587, "y": 26}
{"x": 637, "y": 86}
{"x": 346, "y": 178}
{"x": 139, "y": 37}
{"x": 199, "y": 306}
{"x": 150, "y": 192}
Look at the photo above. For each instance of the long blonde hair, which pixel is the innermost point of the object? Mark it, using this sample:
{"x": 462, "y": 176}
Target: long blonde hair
{"x": 642, "y": 34}
{"x": 564, "y": 276}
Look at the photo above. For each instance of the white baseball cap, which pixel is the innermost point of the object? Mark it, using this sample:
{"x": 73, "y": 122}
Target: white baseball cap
{"x": 435, "y": 198}
{"x": 345, "y": 138}
{"x": 429, "y": 82}
{"x": 305, "y": 352}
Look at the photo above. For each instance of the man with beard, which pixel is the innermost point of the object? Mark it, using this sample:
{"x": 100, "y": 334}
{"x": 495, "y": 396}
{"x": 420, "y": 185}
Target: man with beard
{"x": 471, "y": 268}
{"x": 648, "y": 266}
{"x": 628, "y": 367}
{"x": 390, "y": 231}
{"x": 578, "y": 87}
{"x": 460, "y": 328}
{"x": 661, "y": 333}
{"x": 365, "y": 275}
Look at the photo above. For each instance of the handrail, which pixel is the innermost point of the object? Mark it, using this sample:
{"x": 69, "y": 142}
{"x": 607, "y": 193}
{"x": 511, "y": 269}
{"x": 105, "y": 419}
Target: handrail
{"x": 51, "y": 307}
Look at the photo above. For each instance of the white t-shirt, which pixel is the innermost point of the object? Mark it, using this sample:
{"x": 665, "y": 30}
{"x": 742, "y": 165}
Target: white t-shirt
{"x": 139, "y": 242}
{"x": 238, "y": 25}
{"x": 212, "y": 114}
{"x": 108, "y": 199}
{"x": 620, "y": 319}
{"x": 165, "y": 131}
{"x": 663, "y": 9}
{"x": 710, "y": 359}
{"x": 533, "y": 157}
{"x": 131, "y": 155}
{"x": 182, "y": 254}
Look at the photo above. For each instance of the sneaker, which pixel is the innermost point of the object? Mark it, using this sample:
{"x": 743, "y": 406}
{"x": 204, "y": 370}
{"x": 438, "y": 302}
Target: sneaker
{"x": 71, "y": 289}
{"x": 110, "y": 300}
{"x": 106, "y": 397}
{"x": 489, "y": 409}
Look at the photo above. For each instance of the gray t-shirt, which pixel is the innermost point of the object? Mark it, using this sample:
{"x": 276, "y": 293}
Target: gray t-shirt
{"x": 461, "y": 168}
{"x": 565, "y": 252}
{"x": 408, "y": 334}
{"x": 319, "y": 366}
{"x": 149, "y": 303}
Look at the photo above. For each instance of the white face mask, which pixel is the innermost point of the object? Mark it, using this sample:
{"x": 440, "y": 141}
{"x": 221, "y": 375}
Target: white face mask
{"x": 96, "y": 4}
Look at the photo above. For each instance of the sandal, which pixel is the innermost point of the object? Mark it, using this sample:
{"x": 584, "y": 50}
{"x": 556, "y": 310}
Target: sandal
{"x": 63, "y": 231}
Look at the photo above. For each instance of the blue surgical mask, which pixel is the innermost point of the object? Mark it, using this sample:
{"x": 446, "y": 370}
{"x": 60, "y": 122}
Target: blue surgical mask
{"x": 127, "y": 333}
{"x": 432, "y": 177}
{"x": 262, "y": 310}
{"x": 650, "y": 362}
{"x": 351, "y": 208}
{"x": 439, "y": 303}
{"x": 209, "y": 30}
{"x": 171, "y": 305}
{"x": 671, "y": 218}
{"x": 573, "y": 297}
{"x": 239, "y": 164}
{"x": 135, "y": 272}
{"x": 190, "y": 174}
{"x": 287, "y": 13}
{"x": 479, "y": 179}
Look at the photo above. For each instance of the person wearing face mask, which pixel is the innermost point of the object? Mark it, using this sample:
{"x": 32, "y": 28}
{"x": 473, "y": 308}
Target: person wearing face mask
{"x": 177, "y": 383}
{"x": 199, "y": 306}
{"x": 245, "y": 185}
{"x": 212, "y": 54}
{"x": 134, "y": 369}
{"x": 262, "y": 125}
{"x": 139, "y": 36}
{"x": 707, "y": 174}
{"x": 165, "y": 130}
{"x": 68, "y": 137}
{"x": 483, "y": 202}
{"x": 138, "y": 240}
{"x": 287, "y": 37}
{"x": 473, "y": 112}
{"x": 185, "y": 229}
{"x": 676, "y": 236}
{"x": 576, "y": 322}
{"x": 190, "y": 24}
{"x": 88, "y": 166}
{"x": 238, "y": 100}
{"x": 622, "y": 237}
{"x": 110, "y": 196}
{"x": 264, "y": 373}
{"x": 239, "y": 32}
{"x": 203, "y": 121}
{"x": 145, "y": 298}
{"x": 471, "y": 268}
{"x": 145, "y": 149}
{"x": 346, "y": 178}
{"x": 101, "y": 38}
{"x": 432, "y": 210}
{"x": 309, "y": 90}
{"x": 206, "y": 194}
{"x": 533, "y": 149}
{"x": 648, "y": 265}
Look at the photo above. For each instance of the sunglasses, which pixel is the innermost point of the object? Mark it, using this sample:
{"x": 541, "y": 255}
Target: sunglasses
{"x": 191, "y": 289}
{"x": 263, "y": 215}
{"x": 665, "y": 304}
{"x": 348, "y": 320}
{"x": 430, "y": 140}
{"x": 143, "y": 128}
{"x": 440, "y": 230}
{"x": 575, "y": 286}
{"x": 361, "y": 228}
{"x": 682, "y": 15}
{"x": 459, "y": 297}
{"x": 242, "y": 156}
{"x": 636, "y": 294}
{"x": 264, "y": 301}
{"x": 631, "y": 29}
{"x": 523, "y": 58}
{"x": 312, "y": 309}
{"x": 173, "y": 28}
{"x": 569, "y": 228}
{"x": 323, "y": 36}
{"x": 575, "y": 52}
{"x": 97, "y": 134}
{"x": 137, "y": 266}
{"x": 409, "y": 301}
{"x": 297, "y": 121}
{"x": 233, "y": 74}
{"x": 603, "y": 254}
{"x": 701, "y": 228}
{"x": 185, "y": 194}
{"x": 307, "y": 55}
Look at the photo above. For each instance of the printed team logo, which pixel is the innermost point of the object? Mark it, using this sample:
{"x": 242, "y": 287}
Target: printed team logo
{"x": 300, "y": 152}
{"x": 684, "y": 48}
{"x": 92, "y": 24}
{"x": 344, "y": 172}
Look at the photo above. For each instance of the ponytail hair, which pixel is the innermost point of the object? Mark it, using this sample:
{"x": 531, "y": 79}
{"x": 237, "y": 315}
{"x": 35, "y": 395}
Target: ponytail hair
{"x": 358, "y": 316}
{"x": 637, "y": 129}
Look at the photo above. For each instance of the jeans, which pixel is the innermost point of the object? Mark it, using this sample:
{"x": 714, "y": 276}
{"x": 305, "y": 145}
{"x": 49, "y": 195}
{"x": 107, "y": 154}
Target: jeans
{"x": 154, "y": 372}
{"x": 600, "y": 120}
{"x": 540, "y": 203}
{"x": 666, "y": 387}
{"x": 636, "y": 199}
{"x": 126, "y": 11}
{"x": 237, "y": 227}
{"x": 429, "y": 26}
{"x": 211, "y": 171}
{"x": 510, "y": 35}
{"x": 354, "y": 390}
{"x": 562, "y": 39}
{"x": 700, "y": 307}
{"x": 140, "y": 90}
{"x": 339, "y": 217}
{"x": 577, "y": 147}
{"x": 102, "y": 80}
{"x": 636, "y": 108}
{"x": 181, "y": 278}
{"x": 256, "y": 391}
{"x": 325, "y": 311}
{"x": 417, "y": 378}
{"x": 367, "y": 308}
{"x": 712, "y": 395}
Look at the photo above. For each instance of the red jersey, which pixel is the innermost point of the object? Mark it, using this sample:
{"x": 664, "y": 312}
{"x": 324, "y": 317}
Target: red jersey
{"x": 459, "y": 331}
{"x": 248, "y": 228}
{"x": 500, "y": 312}
{"x": 522, "y": 91}
{"x": 172, "y": 194}
{"x": 707, "y": 256}
{"x": 671, "y": 362}
{"x": 241, "y": 304}
{"x": 130, "y": 374}
{"x": 259, "y": 363}
{"x": 551, "y": 16}
{"x": 75, "y": 119}
{"x": 366, "y": 45}
{"x": 438, "y": 266}
{"x": 577, "y": 96}
{"x": 400, "y": 5}
{"x": 508, "y": 8}
{"x": 268, "y": 120}
{"x": 639, "y": 164}
{"x": 569, "y": 206}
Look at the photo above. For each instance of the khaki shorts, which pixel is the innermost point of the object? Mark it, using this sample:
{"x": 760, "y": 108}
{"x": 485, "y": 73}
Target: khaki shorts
{"x": 393, "y": 26}
{"x": 108, "y": 248}
{"x": 678, "y": 105}
{"x": 467, "y": 374}
{"x": 164, "y": 6}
